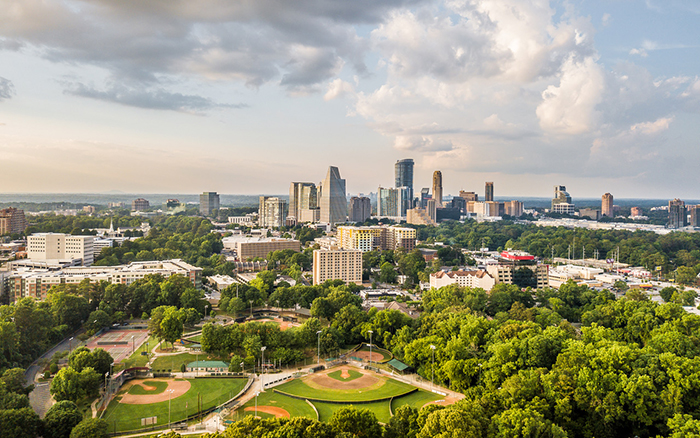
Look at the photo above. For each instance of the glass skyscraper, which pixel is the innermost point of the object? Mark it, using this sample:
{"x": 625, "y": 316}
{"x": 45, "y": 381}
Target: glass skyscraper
{"x": 403, "y": 171}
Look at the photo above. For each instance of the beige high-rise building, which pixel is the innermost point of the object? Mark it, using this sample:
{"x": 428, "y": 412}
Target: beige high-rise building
{"x": 140, "y": 204}
{"x": 57, "y": 246}
{"x": 468, "y": 196}
{"x": 337, "y": 264}
{"x": 607, "y": 205}
{"x": 437, "y": 188}
{"x": 303, "y": 196}
{"x": 12, "y": 221}
{"x": 272, "y": 212}
{"x": 513, "y": 208}
{"x": 376, "y": 238}
{"x": 360, "y": 209}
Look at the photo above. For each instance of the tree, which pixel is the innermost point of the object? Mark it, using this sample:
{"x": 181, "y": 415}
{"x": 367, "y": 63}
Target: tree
{"x": 666, "y": 293}
{"x": 172, "y": 325}
{"x": 620, "y": 285}
{"x": 387, "y": 273}
{"x": 66, "y": 385}
{"x": 404, "y": 423}
{"x": 90, "y": 428}
{"x": 356, "y": 422}
{"x": 14, "y": 381}
{"x": 61, "y": 418}
{"x": 20, "y": 423}
{"x": 686, "y": 275}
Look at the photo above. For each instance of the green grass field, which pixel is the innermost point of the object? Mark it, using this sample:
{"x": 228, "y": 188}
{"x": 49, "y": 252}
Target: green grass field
{"x": 390, "y": 388}
{"x": 174, "y": 362}
{"x": 296, "y": 408}
{"x": 415, "y": 399}
{"x": 379, "y": 409}
{"x": 353, "y": 375}
{"x": 125, "y": 417}
{"x": 140, "y": 390}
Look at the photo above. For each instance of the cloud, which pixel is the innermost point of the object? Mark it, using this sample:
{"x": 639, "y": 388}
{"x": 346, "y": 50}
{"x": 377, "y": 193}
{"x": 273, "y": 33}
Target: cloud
{"x": 338, "y": 88}
{"x": 421, "y": 143}
{"x": 157, "y": 98}
{"x": 7, "y": 89}
{"x": 651, "y": 128}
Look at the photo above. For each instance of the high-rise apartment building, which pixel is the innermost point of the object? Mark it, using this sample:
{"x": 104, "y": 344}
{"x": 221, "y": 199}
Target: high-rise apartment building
{"x": 403, "y": 172}
{"x": 272, "y": 212}
{"x": 468, "y": 196}
{"x": 57, "y": 246}
{"x": 488, "y": 195}
{"x": 140, "y": 204}
{"x": 12, "y": 221}
{"x": 677, "y": 214}
{"x": 561, "y": 203}
{"x": 376, "y": 238}
{"x": 208, "y": 202}
{"x": 392, "y": 202}
{"x": 333, "y": 202}
{"x": 437, "y": 188}
{"x": 360, "y": 209}
{"x": 607, "y": 206}
{"x": 303, "y": 196}
{"x": 337, "y": 264}
{"x": 424, "y": 196}
{"x": 694, "y": 216}
{"x": 513, "y": 208}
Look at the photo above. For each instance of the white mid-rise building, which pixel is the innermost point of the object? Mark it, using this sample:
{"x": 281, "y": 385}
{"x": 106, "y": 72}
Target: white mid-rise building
{"x": 337, "y": 264}
{"x": 57, "y": 246}
{"x": 477, "y": 278}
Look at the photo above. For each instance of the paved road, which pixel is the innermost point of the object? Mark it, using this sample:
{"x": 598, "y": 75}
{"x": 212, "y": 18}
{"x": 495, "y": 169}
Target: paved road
{"x": 40, "y": 398}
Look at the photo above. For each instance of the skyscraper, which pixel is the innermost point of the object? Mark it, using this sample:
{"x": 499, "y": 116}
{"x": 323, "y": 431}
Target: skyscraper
{"x": 488, "y": 195}
{"x": 676, "y": 214}
{"x": 391, "y": 202}
{"x": 561, "y": 203}
{"x": 607, "y": 206}
{"x": 208, "y": 202}
{"x": 272, "y": 212}
{"x": 437, "y": 188}
{"x": 333, "y": 203}
{"x": 694, "y": 216}
{"x": 403, "y": 171}
{"x": 360, "y": 209}
{"x": 302, "y": 196}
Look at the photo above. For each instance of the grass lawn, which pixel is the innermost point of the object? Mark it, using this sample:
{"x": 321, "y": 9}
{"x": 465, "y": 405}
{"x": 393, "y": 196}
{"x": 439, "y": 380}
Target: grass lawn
{"x": 388, "y": 389}
{"x": 296, "y": 408}
{"x": 197, "y": 338}
{"x": 159, "y": 386}
{"x": 353, "y": 375}
{"x": 174, "y": 362}
{"x": 136, "y": 359}
{"x": 124, "y": 417}
{"x": 379, "y": 409}
{"x": 415, "y": 399}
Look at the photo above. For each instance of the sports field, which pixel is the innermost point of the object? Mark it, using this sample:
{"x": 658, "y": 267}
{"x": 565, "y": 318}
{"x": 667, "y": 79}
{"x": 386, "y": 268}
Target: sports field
{"x": 140, "y": 398}
{"x": 119, "y": 343}
{"x": 361, "y": 388}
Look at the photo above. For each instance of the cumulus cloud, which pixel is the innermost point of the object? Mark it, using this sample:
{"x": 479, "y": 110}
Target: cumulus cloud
{"x": 651, "y": 128}
{"x": 158, "y": 98}
{"x": 421, "y": 143}
{"x": 7, "y": 89}
{"x": 338, "y": 88}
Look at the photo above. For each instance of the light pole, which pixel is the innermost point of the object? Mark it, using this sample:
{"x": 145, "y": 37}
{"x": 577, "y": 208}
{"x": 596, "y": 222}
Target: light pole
{"x": 370, "y": 347}
{"x": 170, "y": 394}
{"x": 132, "y": 344}
{"x": 243, "y": 367}
{"x": 70, "y": 345}
{"x": 318, "y": 333}
{"x": 256, "y": 404}
{"x": 262, "y": 374}
{"x": 432, "y": 368}
{"x": 106, "y": 388}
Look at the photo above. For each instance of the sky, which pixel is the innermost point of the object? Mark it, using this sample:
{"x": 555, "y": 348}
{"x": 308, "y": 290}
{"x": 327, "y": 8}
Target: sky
{"x": 176, "y": 96}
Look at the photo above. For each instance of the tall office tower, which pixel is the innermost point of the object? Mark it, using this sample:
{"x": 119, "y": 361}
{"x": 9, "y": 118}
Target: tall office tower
{"x": 140, "y": 204}
{"x": 302, "y": 196}
{"x": 695, "y": 216}
{"x": 208, "y": 202}
{"x": 607, "y": 206}
{"x": 488, "y": 195}
{"x": 360, "y": 209}
{"x": 468, "y": 196}
{"x": 431, "y": 209}
{"x": 403, "y": 171}
{"x": 333, "y": 203}
{"x": 561, "y": 203}
{"x": 424, "y": 196}
{"x": 389, "y": 202}
{"x": 272, "y": 212}
{"x": 676, "y": 214}
{"x": 437, "y": 188}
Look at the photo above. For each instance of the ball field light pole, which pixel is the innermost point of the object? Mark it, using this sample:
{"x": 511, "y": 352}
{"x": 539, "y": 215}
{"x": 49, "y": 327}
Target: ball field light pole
{"x": 262, "y": 362}
{"x": 70, "y": 345}
{"x": 370, "y": 346}
{"x": 170, "y": 394}
{"x": 132, "y": 344}
{"x": 318, "y": 333}
{"x": 256, "y": 404}
{"x": 432, "y": 368}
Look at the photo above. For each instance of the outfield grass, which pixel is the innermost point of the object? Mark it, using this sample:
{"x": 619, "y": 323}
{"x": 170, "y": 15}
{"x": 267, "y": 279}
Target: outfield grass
{"x": 296, "y": 408}
{"x": 140, "y": 390}
{"x": 353, "y": 375}
{"x": 415, "y": 399}
{"x": 390, "y": 388}
{"x": 125, "y": 417}
{"x": 379, "y": 409}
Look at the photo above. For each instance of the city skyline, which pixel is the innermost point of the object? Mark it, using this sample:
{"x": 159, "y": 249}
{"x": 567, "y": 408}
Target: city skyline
{"x": 164, "y": 98}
